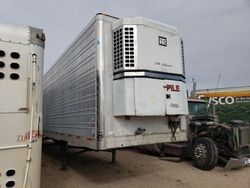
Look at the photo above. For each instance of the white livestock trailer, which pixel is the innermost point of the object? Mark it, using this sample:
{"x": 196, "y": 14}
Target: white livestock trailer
{"x": 21, "y": 70}
{"x": 121, "y": 83}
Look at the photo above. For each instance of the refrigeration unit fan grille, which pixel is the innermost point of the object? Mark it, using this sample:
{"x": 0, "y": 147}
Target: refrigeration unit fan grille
{"x": 124, "y": 48}
{"x": 118, "y": 49}
{"x": 129, "y": 47}
{"x": 182, "y": 54}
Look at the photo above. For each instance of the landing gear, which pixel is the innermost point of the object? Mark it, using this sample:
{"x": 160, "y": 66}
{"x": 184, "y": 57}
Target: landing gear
{"x": 63, "y": 146}
{"x": 64, "y": 156}
{"x": 113, "y": 156}
{"x": 204, "y": 153}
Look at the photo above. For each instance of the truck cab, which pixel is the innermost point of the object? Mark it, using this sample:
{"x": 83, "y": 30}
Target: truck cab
{"x": 200, "y": 110}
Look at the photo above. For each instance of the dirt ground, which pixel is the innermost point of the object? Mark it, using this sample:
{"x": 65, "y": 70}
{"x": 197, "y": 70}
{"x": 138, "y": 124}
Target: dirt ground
{"x": 133, "y": 169}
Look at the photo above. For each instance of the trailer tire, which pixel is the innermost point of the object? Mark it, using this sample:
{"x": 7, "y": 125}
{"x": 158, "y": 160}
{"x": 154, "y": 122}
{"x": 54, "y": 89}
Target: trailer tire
{"x": 204, "y": 153}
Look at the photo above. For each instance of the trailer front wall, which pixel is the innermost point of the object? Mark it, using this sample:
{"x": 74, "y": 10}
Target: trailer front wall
{"x": 120, "y": 131}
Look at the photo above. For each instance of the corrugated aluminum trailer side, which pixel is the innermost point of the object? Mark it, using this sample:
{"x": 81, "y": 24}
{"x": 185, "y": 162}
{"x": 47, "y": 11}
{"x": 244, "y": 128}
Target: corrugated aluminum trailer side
{"x": 21, "y": 70}
{"x": 121, "y": 83}
{"x": 70, "y": 92}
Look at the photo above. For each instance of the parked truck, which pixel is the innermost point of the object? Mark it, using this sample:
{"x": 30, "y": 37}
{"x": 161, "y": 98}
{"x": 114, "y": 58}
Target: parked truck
{"x": 121, "y": 83}
{"x": 229, "y": 142}
{"x": 210, "y": 142}
{"x": 21, "y": 70}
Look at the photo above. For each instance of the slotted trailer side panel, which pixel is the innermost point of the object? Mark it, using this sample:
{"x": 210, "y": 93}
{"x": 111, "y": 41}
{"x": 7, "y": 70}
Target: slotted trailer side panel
{"x": 70, "y": 92}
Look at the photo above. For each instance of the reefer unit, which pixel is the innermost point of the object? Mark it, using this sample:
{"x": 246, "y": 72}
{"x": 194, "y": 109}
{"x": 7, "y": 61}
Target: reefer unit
{"x": 120, "y": 83}
{"x": 21, "y": 70}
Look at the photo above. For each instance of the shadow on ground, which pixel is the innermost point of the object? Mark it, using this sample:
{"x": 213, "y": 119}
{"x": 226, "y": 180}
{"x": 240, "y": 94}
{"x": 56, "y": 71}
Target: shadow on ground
{"x": 97, "y": 166}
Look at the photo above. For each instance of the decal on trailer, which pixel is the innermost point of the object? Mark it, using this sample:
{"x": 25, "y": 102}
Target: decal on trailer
{"x": 162, "y": 41}
{"x": 35, "y": 135}
{"x": 173, "y": 88}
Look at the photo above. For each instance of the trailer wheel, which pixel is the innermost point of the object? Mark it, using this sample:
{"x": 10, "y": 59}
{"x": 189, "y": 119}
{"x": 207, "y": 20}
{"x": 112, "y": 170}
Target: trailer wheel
{"x": 204, "y": 153}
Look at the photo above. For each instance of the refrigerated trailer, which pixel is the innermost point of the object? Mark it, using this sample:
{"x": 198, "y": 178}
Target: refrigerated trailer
{"x": 120, "y": 83}
{"x": 21, "y": 69}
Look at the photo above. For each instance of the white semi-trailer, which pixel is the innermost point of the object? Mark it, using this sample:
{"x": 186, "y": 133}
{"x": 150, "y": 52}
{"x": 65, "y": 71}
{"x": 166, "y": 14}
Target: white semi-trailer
{"x": 21, "y": 70}
{"x": 121, "y": 83}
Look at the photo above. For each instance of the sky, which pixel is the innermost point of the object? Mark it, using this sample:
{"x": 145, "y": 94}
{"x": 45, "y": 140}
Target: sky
{"x": 216, "y": 33}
